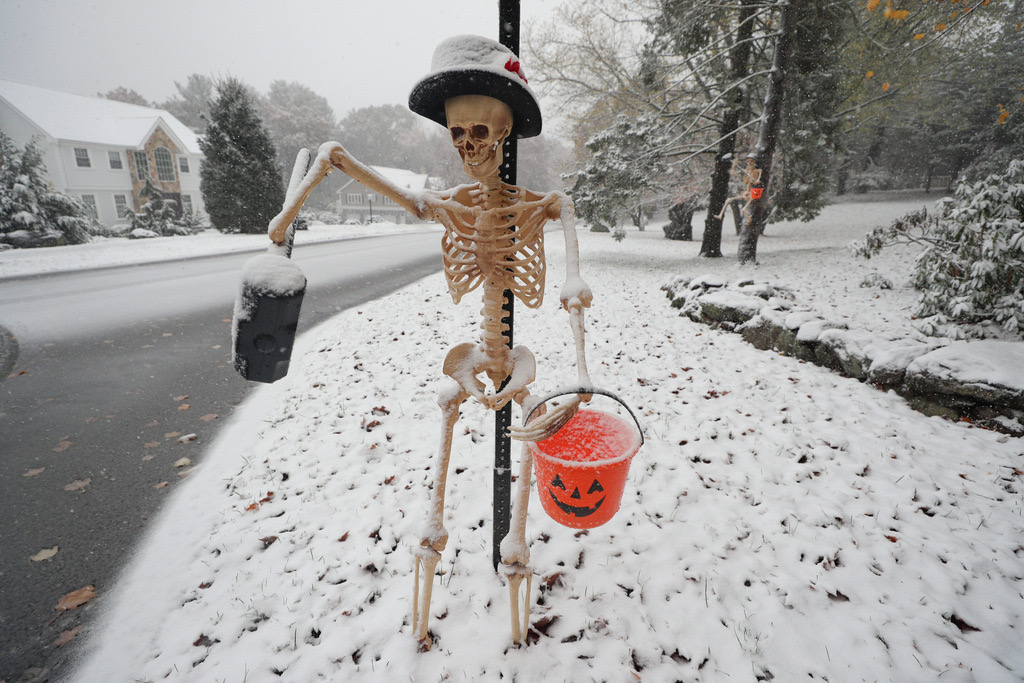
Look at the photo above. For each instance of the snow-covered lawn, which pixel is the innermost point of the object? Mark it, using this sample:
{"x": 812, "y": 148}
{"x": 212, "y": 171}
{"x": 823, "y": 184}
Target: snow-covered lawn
{"x": 780, "y": 522}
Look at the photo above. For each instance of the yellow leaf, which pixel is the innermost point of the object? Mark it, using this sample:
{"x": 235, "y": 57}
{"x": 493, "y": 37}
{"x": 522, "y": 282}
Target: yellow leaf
{"x": 45, "y": 554}
{"x": 76, "y": 598}
{"x": 869, "y": 74}
{"x": 183, "y": 462}
{"x": 885, "y": 86}
{"x": 66, "y": 637}
{"x": 872, "y": 4}
{"x": 940, "y": 27}
{"x": 78, "y": 484}
{"x": 918, "y": 36}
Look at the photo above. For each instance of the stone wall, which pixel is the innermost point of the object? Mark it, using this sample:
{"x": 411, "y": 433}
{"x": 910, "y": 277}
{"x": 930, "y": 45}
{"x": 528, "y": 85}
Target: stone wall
{"x": 981, "y": 381}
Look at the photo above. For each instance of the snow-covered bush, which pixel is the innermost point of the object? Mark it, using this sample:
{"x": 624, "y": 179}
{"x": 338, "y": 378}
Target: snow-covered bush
{"x": 157, "y": 215}
{"x": 32, "y": 213}
{"x": 971, "y": 270}
{"x": 621, "y": 175}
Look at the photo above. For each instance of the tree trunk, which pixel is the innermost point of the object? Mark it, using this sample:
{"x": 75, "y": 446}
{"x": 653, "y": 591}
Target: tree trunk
{"x": 769, "y": 133}
{"x": 737, "y": 216}
{"x": 739, "y": 58}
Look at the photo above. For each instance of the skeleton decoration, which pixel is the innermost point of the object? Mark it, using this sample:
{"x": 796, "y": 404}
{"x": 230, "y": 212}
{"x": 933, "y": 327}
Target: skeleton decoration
{"x": 752, "y": 189}
{"x": 494, "y": 241}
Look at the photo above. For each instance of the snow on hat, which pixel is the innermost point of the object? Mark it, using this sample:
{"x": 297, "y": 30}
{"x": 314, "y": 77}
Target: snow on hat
{"x": 473, "y": 65}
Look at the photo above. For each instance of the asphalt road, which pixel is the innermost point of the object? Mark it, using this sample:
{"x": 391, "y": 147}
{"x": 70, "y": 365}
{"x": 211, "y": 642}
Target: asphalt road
{"x": 121, "y": 374}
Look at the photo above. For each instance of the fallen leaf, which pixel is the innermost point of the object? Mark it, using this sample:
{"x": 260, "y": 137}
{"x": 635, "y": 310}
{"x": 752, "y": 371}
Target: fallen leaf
{"x": 183, "y": 462}
{"x": 184, "y": 406}
{"x": 160, "y": 485}
{"x": 32, "y": 473}
{"x": 209, "y": 417}
{"x": 254, "y": 506}
{"x": 205, "y": 584}
{"x": 185, "y": 473}
{"x": 45, "y": 554}
{"x": 152, "y": 423}
{"x": 204, "y": 641}
{"x": 179, "y": 399}
{"x": 151, "y": 444}
{"x": 147, "y": 458}
{"x": 268, "y": 541}
{"x": 66, "y": 637}
{"x": 62, "y": 446}
{"x": 268, "y": 497}
{"x": 187, "y": 438}
{"x": 171, "y": 435}
{"x": 78, "y": 484}
{"x": 76, "y": 599}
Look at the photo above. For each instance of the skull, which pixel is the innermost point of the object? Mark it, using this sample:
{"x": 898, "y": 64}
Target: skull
{"x": 479, "y": 126}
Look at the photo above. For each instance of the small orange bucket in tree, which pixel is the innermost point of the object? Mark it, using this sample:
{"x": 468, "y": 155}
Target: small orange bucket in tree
{"x": 581, "y": 470}
{"x": 756, "y": 192}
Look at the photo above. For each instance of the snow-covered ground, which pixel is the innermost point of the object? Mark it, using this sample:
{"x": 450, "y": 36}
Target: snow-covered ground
{"x": 780, "y": 521}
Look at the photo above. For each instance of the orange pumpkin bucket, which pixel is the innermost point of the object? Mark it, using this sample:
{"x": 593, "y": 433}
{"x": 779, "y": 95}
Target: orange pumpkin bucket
{"x": 581, "y": 469}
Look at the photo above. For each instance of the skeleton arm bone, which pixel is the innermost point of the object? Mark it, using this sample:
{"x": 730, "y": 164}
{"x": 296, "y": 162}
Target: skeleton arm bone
{"x": 332, "y": 155}
{"x": 576, "y": 294}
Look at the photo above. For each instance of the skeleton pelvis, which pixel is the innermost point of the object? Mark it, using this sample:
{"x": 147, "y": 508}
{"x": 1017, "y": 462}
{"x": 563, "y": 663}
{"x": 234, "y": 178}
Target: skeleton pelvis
{"x": 465, "y": 361}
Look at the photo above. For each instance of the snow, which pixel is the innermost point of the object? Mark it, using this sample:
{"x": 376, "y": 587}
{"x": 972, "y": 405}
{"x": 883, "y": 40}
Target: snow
{"x": 779, "y": 521}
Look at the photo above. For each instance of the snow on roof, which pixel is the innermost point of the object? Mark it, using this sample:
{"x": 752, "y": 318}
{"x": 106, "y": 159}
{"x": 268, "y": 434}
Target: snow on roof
{"x": 402, "y": 177}
{"x": 94, "y": 119}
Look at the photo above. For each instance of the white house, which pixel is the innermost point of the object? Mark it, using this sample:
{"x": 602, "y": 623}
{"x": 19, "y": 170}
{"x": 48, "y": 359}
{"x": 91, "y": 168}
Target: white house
{"x": 356, "y": 202}
{"x": 102, "y": 151}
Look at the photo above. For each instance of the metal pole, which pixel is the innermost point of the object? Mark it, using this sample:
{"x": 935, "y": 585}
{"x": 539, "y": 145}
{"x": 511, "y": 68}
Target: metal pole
{"x": 508, "y": 35}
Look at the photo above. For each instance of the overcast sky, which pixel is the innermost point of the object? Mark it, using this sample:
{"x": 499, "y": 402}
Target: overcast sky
{"x": 355, "y": 53}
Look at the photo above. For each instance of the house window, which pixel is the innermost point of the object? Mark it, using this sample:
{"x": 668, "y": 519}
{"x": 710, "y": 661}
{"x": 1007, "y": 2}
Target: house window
{"x": 186, "y": 203}
{"x": 115, "y": 159}
{"x": 388, "y": 200}
{"x": 141, "y": 165}
{"x": 164, "y": 164}
{"x": 183, "y": 164}
{"x": 89, "y": 201}
{"x": 82, "y": 157}
{"x": 121, "y": 205}
{"x": 353, "y": 198}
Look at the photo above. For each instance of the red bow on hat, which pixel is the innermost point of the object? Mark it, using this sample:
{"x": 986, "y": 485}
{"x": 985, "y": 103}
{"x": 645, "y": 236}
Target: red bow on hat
{"x": 513, "y": 66}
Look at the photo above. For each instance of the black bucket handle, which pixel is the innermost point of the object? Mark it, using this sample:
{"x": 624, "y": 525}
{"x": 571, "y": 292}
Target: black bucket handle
{"x": 586, "y": 390}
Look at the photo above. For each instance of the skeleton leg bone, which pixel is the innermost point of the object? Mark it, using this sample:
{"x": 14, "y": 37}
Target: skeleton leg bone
{"x": 515, "y": 554}
{"x": 435, "y": 536}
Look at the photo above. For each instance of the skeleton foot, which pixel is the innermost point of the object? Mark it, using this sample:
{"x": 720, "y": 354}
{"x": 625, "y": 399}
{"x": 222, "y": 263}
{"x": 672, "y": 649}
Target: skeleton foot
{"x": 519, "y": 616}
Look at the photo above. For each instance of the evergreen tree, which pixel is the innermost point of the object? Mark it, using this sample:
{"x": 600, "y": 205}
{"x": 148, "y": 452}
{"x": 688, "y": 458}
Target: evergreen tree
{"x": 157, "y": 214}
{"x": 32, "y": 214}
{"x": 623, "y": 174}
{"x": 240, "y": 178}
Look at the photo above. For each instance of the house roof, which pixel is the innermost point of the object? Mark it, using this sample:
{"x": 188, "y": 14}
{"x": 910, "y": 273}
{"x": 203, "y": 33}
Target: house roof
{"x": 94, "y": 119}
{"x": 401, "y": 178}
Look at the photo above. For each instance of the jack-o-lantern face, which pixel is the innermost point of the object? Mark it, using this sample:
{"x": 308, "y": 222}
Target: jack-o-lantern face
{"x": 579, "y": 506}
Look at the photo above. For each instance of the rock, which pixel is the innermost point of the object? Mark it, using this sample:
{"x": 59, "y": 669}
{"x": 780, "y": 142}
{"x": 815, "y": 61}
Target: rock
{"x": 762, "y": 330}
{"x": 889, "y": 367}
{"x": 728, "y": 306}
{"x": 986, "y": 371}
{"x": 846, "y": 350}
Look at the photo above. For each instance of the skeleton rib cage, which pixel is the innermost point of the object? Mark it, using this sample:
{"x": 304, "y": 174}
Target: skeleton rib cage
{"x": 493, "y": 248}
